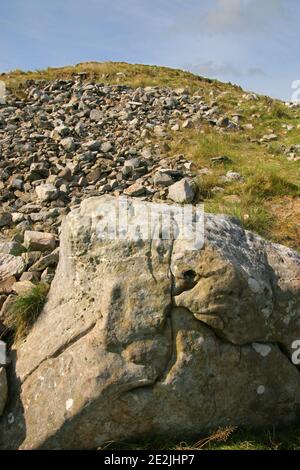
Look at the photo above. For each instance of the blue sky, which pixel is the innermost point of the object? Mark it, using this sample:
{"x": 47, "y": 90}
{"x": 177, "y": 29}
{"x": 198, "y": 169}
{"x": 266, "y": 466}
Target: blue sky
{"x": 250, "y": 42}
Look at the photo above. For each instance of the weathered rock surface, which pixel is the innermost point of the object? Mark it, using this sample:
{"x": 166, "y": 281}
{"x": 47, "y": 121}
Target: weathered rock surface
{"x": 39, "y": 241}
{"x": 182, "y": 192}
{"x": 156, "y": 337}
{"x": 3, "y": 389}
{"x": 10, "y": 266}
{"x": 47, "y": 192}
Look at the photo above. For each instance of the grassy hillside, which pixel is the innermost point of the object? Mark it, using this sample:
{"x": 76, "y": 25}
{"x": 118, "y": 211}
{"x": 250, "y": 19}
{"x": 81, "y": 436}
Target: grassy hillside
{"x": 119, "y": 73}
{"x": 267, "y": 198}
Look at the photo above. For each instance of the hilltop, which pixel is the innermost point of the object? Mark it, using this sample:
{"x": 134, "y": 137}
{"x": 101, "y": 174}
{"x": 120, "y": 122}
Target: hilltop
{"x": 263, "y": 144}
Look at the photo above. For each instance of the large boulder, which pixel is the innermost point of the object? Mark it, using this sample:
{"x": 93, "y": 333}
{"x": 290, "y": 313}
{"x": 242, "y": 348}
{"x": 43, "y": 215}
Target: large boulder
{"x": 157, "y": 337}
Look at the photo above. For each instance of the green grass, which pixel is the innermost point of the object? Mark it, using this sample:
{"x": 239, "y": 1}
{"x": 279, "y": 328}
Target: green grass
{"x": 268, "y": 179}
{"x": 25, "y": 309}
{"x": 279, "y": 111}
{"x": 267, "y": 185}
{"x": 230, "y": 438}
{"x": 253, "y": 216}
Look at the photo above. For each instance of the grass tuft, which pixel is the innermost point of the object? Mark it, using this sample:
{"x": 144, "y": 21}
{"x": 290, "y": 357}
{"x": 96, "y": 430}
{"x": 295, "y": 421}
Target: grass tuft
{"x": 25, "y": 309}
{"x": 253, "y": 216}
{"x": 265, "y": 186}
{"x": 279, "y": 111}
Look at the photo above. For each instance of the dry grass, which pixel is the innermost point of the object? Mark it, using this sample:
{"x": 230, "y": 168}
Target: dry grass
{"x": 228, "y": 438}
{"x": 221, "y": 435}
{"x": 114, "y": 73}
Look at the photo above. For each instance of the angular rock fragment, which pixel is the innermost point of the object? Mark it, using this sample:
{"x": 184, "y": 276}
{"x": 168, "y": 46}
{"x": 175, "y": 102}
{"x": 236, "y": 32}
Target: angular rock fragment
{"x": 39, "y": 241}
{"x": 184, "y": 191}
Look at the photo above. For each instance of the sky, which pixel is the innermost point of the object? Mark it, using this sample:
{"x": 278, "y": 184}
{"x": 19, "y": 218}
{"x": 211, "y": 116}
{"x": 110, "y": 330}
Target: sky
{"x": 253, "y": 43}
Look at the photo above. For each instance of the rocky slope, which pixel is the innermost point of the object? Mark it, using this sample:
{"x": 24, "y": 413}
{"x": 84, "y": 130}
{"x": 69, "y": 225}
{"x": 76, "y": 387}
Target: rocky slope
{"x": 70, "y": 140}
{"x": 83, "y": 139}
{"x": 63, "y": 141}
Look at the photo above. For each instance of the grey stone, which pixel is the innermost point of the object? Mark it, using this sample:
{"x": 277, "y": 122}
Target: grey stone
{"x": 135, "y": 190}
{"x": 17, "y": 183}
{"x": 92, "y": 145}
{"x": 106, "y": 147}
{"x": 60, "y": 131}
{"x": 39, "y": 241}
{"x": 220, "y": 160}
{"x": 32, "y": 276}
{"x": 232, "y": 176}
{"x": 11, "y": 248}
{"x": 5, "y": 219}
{"x": 48, "y": 275}
{"x": 162, "y": 179}
{"x": 5, "y": 313}
{"x": 11, "y": 266}
{"x": 31, "y": 257}
{"x": 96, "y": 115}
{"x": 183, "y": 191}
{"x": 47, "y": 192}
{"x": 6, "y": 285}
{"x": 46, "y": 261}
{"x": 21, "y": 287}
{"x": 68, "y": 144}
{"x": 269, "y": 138}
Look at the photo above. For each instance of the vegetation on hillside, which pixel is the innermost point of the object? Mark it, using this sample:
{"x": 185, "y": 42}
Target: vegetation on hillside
{"x": 118, "y": 73}
{"x": 266, "y": 199}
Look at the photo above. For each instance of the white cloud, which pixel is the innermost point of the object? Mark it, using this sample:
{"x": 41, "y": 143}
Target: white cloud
{"x": 224, "y": 70}
{"x": 235, "y": 16}
{"x": 243, "y": 16}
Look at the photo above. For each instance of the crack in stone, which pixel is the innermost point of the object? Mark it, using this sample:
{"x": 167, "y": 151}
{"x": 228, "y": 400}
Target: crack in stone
{"x": 149, "y": 260}
{"x": 61, "y": 349}
{"x": 223, "y": 339}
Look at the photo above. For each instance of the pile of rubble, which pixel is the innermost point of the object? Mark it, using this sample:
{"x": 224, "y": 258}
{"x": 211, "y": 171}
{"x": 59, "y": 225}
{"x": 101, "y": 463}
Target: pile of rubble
{"x": 70, "y": 140}
{"x": 24, "y": 261}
